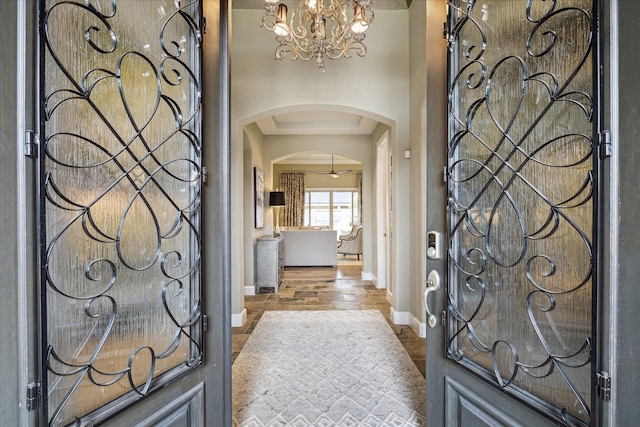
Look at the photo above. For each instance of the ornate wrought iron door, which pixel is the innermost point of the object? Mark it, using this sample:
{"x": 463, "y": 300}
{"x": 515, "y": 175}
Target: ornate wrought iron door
{"x": 120, "y": 184}
{"x": 522, "y": 191}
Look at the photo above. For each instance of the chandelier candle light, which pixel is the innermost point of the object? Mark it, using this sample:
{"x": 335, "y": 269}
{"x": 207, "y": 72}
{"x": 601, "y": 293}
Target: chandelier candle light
{"x": 314, "y": 30}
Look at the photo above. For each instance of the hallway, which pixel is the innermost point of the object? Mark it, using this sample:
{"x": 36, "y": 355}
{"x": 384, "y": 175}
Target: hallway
{"x": 341, "y": 288}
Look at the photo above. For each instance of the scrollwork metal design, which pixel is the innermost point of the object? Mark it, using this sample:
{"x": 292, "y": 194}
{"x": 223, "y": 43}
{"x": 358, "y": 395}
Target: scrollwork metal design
{"x": 120, "y": 200}
{"x": 521, "y": 198}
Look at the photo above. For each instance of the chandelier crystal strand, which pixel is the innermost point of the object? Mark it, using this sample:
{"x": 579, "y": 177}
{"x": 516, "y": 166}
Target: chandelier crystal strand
{"x": 314, "y": 31}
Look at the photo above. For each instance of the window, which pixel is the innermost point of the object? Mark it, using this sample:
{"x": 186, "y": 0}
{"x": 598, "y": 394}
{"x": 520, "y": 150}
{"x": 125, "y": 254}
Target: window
{"x": 338, "y": 210}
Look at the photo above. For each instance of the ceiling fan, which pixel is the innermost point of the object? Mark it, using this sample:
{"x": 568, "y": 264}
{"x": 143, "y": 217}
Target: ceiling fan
{"x": 333, "y": 173}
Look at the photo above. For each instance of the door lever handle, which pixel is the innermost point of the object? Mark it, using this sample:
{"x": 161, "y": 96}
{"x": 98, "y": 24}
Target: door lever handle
{"x": 433, "y": 284}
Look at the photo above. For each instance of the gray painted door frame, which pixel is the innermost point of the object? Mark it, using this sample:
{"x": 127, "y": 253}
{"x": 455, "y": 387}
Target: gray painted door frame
{"x": 18, "y": 355}
{"x": 450, "y": 385}
{"x": 442, "y": 374}
{"x": 206, "y": 389}
{"x": 214, "y": 376}
{"x": 620, "y": 296}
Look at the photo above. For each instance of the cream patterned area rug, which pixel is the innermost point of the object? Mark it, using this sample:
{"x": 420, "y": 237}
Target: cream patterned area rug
{"x": 326, "y": 368}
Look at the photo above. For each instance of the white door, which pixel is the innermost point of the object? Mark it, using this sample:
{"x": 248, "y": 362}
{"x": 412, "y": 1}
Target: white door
{"x": 515, "y": 344}
{"x": 133, "y": 293}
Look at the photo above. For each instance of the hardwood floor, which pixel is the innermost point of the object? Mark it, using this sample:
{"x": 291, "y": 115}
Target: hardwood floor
{"x": 326, "y": 288}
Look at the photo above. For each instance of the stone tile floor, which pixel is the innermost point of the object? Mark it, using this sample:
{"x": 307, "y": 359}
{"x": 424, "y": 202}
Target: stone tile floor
{"x": 325, "y": 288}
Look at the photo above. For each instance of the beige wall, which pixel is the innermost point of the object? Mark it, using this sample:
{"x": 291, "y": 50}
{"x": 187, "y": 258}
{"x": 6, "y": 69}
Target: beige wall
{"x": 252, "y": 140}
{"x": 376, "y": 86}
{"x": 418, "y": 49}
{"x": 428, "y": 142}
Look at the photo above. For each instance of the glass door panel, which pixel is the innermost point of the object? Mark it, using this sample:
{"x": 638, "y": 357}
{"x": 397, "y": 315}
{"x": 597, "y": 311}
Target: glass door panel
{"x": 120, "y": 200}
{"x": 521, "y": 198}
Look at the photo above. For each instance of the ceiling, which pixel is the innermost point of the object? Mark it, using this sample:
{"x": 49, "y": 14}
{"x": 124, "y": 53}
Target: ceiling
{"x": 317, "y": 123}
{"x": 316, "y": 159}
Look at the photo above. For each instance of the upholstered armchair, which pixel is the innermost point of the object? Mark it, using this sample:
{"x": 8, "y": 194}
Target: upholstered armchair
{"x": 351, "y": 243}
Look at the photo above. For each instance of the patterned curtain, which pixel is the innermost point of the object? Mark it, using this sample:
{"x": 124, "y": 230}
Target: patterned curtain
{"x": 292, "y": 184}
{"x": 360, "y": 198}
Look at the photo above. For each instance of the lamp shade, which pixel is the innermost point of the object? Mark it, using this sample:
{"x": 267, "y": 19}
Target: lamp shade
{"x": 276, "y": 198}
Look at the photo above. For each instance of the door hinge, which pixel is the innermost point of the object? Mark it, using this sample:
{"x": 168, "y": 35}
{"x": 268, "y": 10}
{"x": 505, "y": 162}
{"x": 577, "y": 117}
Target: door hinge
{"x": 205, "y": 174}
{"x": 603, "y": 385}
{"x": 205, "y": 323}
{"x": 606, "y": 149}
{"x": 33, "y": 392}
{"x": 445, "y": 31}
{"x": 31, "y": 144}
{"x": 204, "y": 25}
{"x": 445, "y": 174}
{"x": 444, "y": 318}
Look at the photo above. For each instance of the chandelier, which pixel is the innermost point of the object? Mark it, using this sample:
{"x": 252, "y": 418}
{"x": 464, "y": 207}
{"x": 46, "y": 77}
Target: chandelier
{"x": 313, "y": 31}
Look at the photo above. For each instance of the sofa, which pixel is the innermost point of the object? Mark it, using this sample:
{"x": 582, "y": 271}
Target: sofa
{"x": 310, "y": 248}
{"x": 305, "y": 227}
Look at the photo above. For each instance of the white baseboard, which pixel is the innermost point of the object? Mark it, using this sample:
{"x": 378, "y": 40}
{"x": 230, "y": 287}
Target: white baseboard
{"x": 390, "y": 297}
{"x": 400, "y": 317}
{"x": 420, "y": 328}
{"x": 238, "y": 319}
{"x": 373, "y": 279}
{"x": 249, "y": 290}
{"x": 370, "y": 277}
